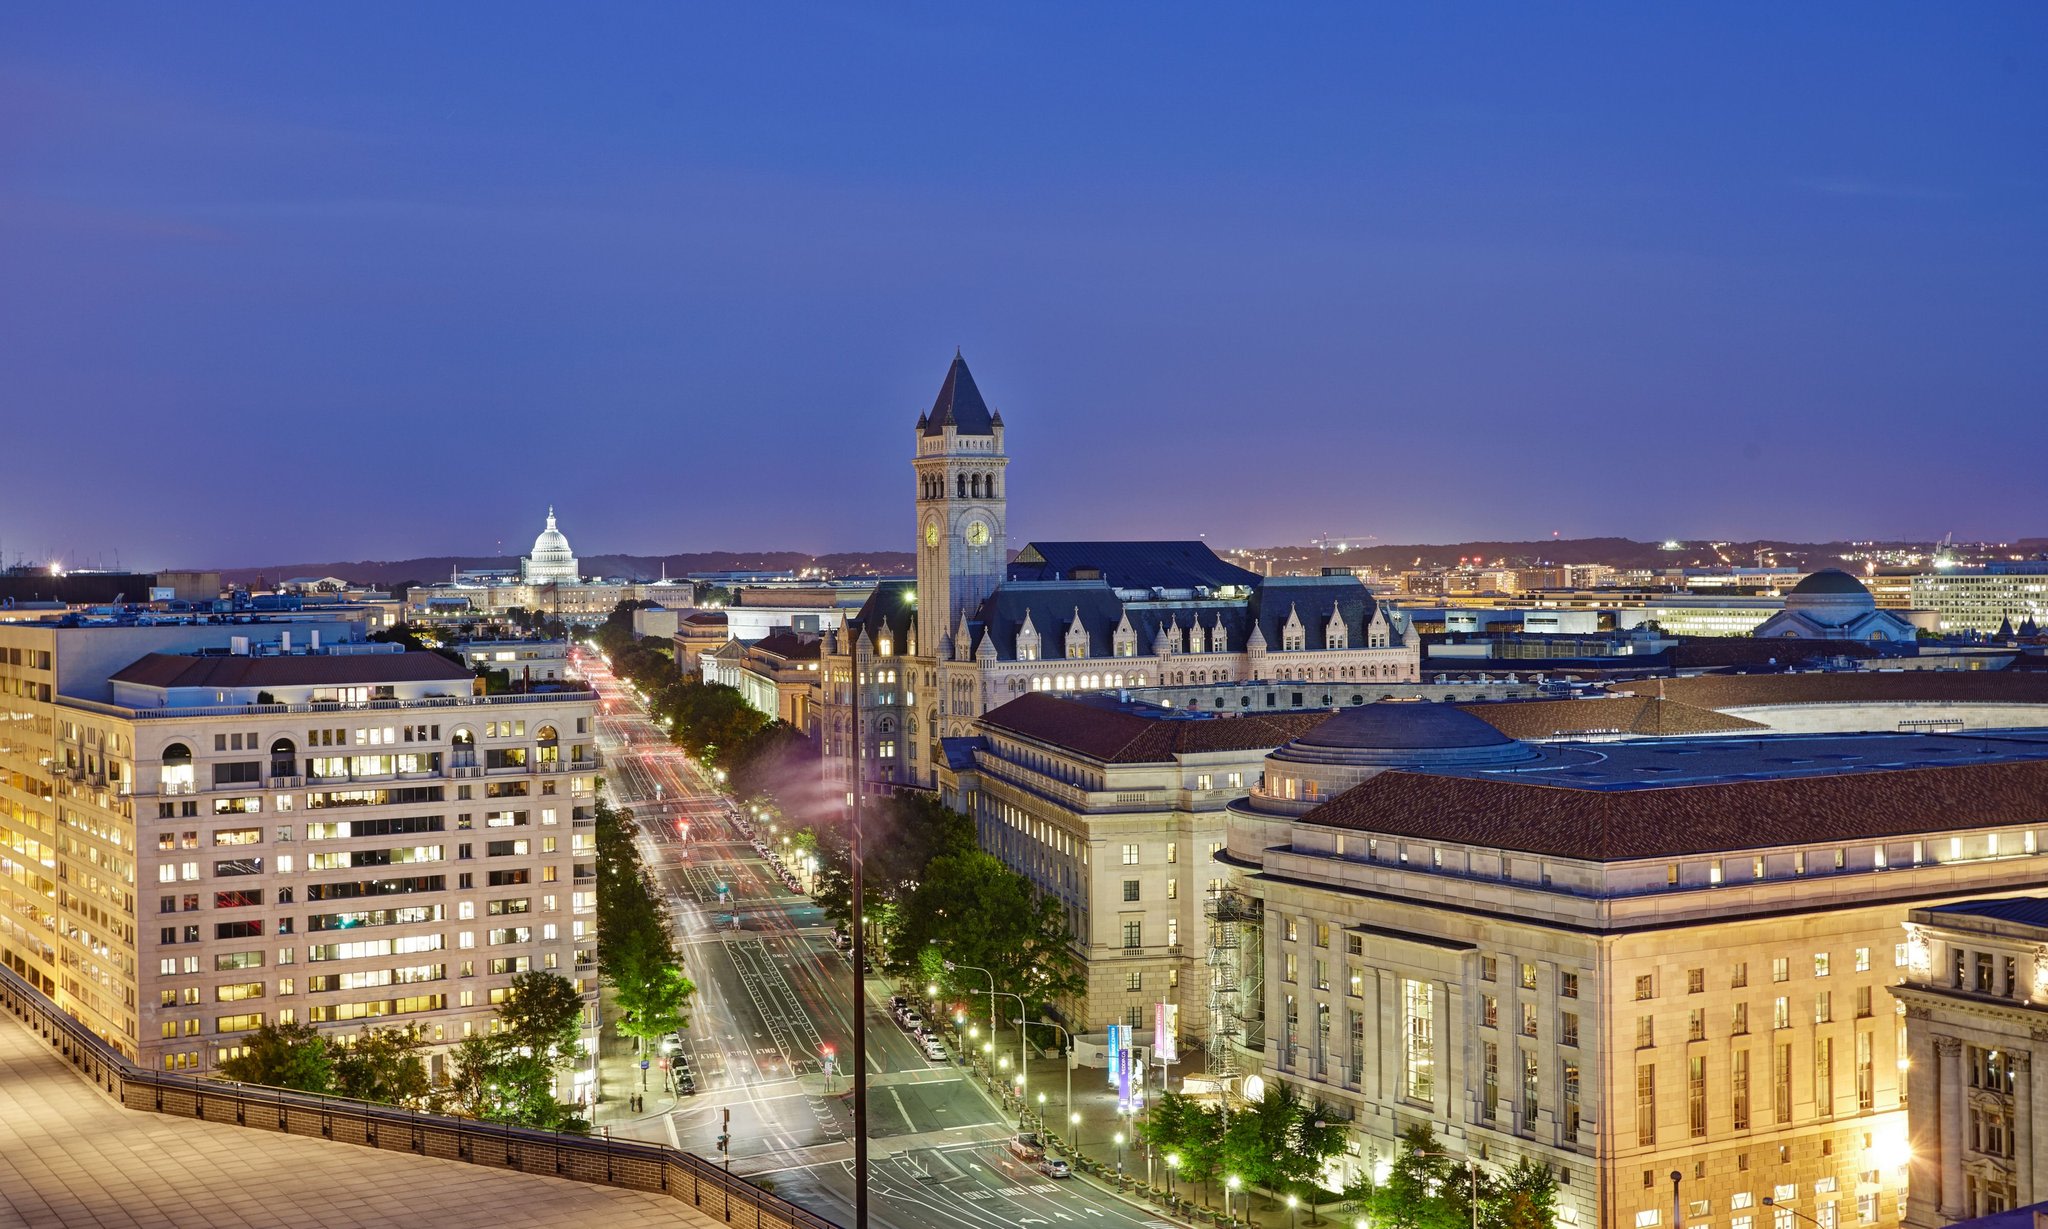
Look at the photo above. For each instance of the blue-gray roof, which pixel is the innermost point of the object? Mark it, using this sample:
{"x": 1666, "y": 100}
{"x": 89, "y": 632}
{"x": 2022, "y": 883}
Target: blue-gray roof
{"x": 1313, "y": 597}
{"x": 1130, "y": 565}
{"x": 892, "y": 607}
{"x": 2025, "y": 910}
{"x": 959, "y": 405}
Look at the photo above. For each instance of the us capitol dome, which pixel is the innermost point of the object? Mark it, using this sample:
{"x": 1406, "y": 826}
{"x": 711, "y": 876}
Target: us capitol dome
{"x": 551, "y": 561}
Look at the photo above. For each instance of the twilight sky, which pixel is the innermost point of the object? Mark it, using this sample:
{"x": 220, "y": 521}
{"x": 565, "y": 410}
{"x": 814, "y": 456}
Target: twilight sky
{"x": 295, "y": 282}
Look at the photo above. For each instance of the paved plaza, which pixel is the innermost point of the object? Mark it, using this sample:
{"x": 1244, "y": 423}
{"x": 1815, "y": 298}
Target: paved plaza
{"x": 70, "y": 1158}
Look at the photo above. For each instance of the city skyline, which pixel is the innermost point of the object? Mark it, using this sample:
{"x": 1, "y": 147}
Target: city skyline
{"x": 1705, "y": 278}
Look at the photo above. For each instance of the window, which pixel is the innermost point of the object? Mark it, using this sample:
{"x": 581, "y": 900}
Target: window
{"x": 1863, "y": 960}
{"x": 1695, "y": 981}
{"x": 1134, "y": 981}
{"x": 1738, "y": 977}
{"x": 1489, "y": 1098}
{"x": 1820, "y": 964}
{"x": 1568, "y": 1028}
{"x": 1781, "y": 969}
{"x": 1823, "y": 1007}
{"x": 1646, "y": 987}
{"x": 1488, "y": 969}
{"x": 1130, "y": 889}
{"x": 1569, "y": 1091}
{"x": 1696, "y": 1025}
{"x": 1781, "y": 1012}
{"x": 1528, "y": 1019}
{"x": 1738, "y": 1088}
{"x": 1528, "y": 976}
{"x": 1130, "y": 855}
{"x": 1646, "y": 1106}
{"x": 1696, "y": 1096}
{"x": 1568, "y": 985}
{"x": 1134, "y": 935}
{"x": 1489, "y": 1011}
{"x": 1781, "y": 1082}
{"x": 1646, "y": 1032}
{"x": 1738, "y": 1020}
{"x": 1419, "y": 1033}
{"x": 1866, "y": 1077}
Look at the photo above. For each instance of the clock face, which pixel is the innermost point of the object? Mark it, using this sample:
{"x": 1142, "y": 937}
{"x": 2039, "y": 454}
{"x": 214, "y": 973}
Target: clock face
{"x": 977, "y": 533}
{"x": 931, "y": 533}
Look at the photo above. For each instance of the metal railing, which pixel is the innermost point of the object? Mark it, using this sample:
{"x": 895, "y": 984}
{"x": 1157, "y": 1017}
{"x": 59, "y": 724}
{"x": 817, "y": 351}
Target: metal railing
{"x": 567, "y": 695}
{"x": 631, "y": 1164}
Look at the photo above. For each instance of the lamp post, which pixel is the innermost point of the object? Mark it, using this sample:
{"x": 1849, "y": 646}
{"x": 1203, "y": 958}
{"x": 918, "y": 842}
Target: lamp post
{"x": 1771, "y": 1202}
{"x": 1230, "y": 1184}
{"x": 1119, "y": 1160}
{"x": 951, "y": 967}
{"x": 1067, "y": 1048}
{"x": 1471, "y": 1177}
{"x": 1293, "y": 1216}
{"x": 1172, "y": 1164}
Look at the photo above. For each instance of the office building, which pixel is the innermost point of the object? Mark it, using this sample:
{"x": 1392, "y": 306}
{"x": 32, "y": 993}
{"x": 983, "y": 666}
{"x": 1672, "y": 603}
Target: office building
{"x": 205, "y": 827}
{"x": 1976, "y": 1001}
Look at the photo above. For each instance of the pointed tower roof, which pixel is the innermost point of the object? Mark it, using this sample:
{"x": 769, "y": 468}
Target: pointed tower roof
{"x": 959, "y": 405}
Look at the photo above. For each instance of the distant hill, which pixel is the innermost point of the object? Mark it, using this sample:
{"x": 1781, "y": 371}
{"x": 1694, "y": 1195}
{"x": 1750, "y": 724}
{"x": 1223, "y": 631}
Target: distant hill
{"x": 1615, "y": 552}
{"x": 431, "y": 568}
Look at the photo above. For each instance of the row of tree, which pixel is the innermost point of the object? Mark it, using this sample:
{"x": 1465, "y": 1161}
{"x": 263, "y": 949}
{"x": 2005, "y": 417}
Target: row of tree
{"x": 1281, "y": 1143}
{"x": 934, "y": 897}
{"x": 506, "y": 1075}
{"x": 636, "y": 949}
{"x": 712, "y": 722}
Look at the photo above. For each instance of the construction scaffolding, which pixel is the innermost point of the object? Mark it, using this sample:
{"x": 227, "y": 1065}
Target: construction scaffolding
{"x": 1237, "y": 1001}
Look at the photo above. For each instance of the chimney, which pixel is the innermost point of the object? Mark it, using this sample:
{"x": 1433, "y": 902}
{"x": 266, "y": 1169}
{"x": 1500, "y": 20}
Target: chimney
{"x": 238, "y": 646}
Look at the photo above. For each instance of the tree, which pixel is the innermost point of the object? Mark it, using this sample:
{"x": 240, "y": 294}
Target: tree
{"x": 1318, "y": 1137}
{"x": 1523, "y": 1198}
{"x": 284, "y": 1056}
{"x": 543, "y": 1012}
{"x": 384, "y": 1064}
{"x": 1177, "y": 1123}
{"x": 979, "y": 912}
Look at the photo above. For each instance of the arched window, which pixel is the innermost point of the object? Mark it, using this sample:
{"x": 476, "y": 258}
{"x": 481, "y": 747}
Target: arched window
{"x": 284, "y": 758}
{"x": 960, "y": 482}
{"x": 462, "y": 750}
{"x": 177, "y": 769}
{"x": 974, "y": 485}
{"x": 990, "y": 488}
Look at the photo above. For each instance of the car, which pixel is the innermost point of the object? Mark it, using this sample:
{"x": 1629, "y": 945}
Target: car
{"x": 1055, "y": 1167}
{"x": 935, "y": 1051}
{"x": 1027, "y": 1146}
{"x": 896, "y": 1001}
{"x": 686, "y": 1084}
{"x": 671, "y": 1043}
{"x": 912, "y": 1021}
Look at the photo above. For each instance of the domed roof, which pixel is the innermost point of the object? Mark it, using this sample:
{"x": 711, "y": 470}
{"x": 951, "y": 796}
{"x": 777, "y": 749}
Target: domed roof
{"x": 552, "y": 545}
{"x": 1403, "y": 726}
{"x": 1832, "y": 582}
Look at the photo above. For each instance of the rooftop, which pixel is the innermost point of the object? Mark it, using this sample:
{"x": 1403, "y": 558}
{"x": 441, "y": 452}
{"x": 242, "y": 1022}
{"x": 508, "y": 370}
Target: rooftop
{"x": 1125, "y": 732}
{"x": 1670, "y": 797}
{"x": 168, "y": 670}
{"x": 70, "y": 1157}
{"x": 2019, "y": 910}
{"x": 1723, "y": 691}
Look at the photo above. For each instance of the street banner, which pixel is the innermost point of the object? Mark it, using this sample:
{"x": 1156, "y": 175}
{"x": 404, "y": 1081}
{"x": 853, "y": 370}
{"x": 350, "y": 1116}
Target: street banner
{"x": 1115, "y": 1046}
{"x": 1165, "y": 1026}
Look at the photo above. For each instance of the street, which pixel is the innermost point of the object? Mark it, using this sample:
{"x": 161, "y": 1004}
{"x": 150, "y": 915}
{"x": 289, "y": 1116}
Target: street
{"x": 772, "y": 998}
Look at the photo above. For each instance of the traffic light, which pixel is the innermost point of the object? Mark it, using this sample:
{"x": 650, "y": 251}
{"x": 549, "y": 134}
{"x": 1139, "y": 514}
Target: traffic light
{"x": 724, "y": 1130}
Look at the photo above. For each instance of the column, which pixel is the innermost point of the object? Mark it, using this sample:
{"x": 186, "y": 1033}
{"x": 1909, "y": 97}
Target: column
{"x": 1948, "y": 1053}
{"x": 2025, "y": 1103}
{"x": 1923, "y": 1099}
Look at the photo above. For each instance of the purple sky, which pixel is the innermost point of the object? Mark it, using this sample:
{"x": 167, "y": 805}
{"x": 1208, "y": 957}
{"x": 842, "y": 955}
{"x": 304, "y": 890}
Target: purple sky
{"x": 291, "y": 282}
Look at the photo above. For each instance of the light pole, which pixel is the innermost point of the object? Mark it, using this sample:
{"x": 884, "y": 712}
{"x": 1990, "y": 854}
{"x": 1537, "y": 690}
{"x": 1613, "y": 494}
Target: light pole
{"x": 952, "y": 967}
{"x": 1119, "y": 1160}
{"x": 1172, "y": 1164}
{"x": 1067, "y": 1049}
{"x": 1230, "y": 1184}
{"x": 1292, "y": 1215}
{"x": 1771, "y": 1202}
{"x": 1471, "y": 1177}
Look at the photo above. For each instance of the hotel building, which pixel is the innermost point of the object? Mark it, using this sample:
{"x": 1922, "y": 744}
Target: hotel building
{"x": 205, "y": 827}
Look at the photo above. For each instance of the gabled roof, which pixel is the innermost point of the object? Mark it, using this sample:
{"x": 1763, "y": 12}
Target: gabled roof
{"x": 1115, "y": 734}
{"x": 1051, "y": 608}
{"x": 890, "y": 608}
{"x": 959, "y": 405}
{"x": 1622, "y": 824}
{"x": 306, "y": 670}
{"x": 1313, "y": 597}
{"x": 1129, "y": 565}
{"x": 789, "y": 645}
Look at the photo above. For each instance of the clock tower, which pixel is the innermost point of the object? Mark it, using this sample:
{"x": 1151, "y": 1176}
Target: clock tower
{"x": 962, "y": 492}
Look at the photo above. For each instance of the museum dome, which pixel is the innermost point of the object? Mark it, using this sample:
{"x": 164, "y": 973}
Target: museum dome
{"x": 1830, "y": 596}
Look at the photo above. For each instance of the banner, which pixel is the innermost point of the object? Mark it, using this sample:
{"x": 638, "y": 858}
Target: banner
{"x": 1115, "y": 1047}
{"x": 1123, "y": 1077}
{"x": 1165, "y": 1028}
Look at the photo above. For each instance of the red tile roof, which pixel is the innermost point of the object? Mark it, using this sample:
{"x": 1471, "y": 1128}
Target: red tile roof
{"x": 1116, "y": 737}
{"x": 312, "y": 670}
{"x": 1620, "y": 824}
{"x": 1626, "y": 714}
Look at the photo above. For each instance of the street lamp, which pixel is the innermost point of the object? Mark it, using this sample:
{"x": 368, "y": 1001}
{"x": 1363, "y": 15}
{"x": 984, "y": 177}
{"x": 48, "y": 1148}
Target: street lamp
{"x": 1172, "y": 1163}
{"x": 1067, "y": 1049}
{"x": 1119, "y": 1160}
{"x": 1292, "y": 1214}
{"x": 1771, "y": 1202}
{"x": 1230, "y": 1184}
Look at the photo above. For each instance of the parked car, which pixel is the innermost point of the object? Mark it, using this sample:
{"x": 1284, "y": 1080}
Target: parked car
{"x": 686, "y": 1084}
{"x": 671, "y": 1043}
{"x": 935, "y": 1051}
{"x": 1027, "y": 1146}
{"x": 1054, "y": 1167}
